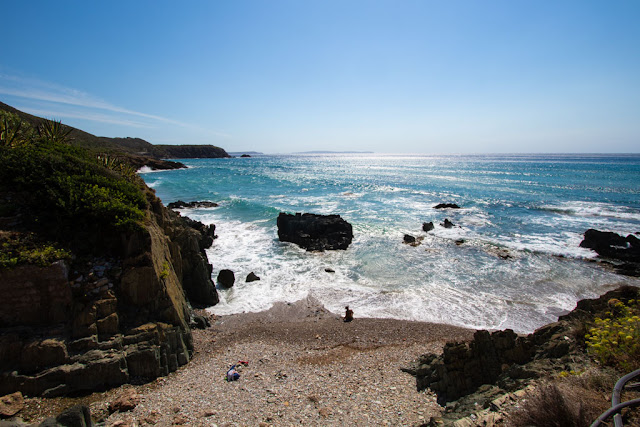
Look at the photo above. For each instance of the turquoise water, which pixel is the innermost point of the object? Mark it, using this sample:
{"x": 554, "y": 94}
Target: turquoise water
{"x": 534, "y": 207}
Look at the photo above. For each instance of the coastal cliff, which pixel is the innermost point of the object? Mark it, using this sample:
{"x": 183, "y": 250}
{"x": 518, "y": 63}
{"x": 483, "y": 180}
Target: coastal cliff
{"x": 97, "y": 277}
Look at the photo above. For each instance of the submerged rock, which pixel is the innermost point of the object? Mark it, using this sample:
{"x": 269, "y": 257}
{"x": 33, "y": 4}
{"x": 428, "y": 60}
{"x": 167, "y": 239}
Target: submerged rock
{"x": 179, "y": 204}
{"x": 446, "y": 206}
{"x": 447, "y": 223}
{"x": 315, "y": 232}
{"x": 408, "y": 239}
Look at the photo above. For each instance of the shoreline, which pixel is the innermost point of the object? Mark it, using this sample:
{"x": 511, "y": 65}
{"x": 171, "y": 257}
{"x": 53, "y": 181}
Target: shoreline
{"x": 305, "y": 365}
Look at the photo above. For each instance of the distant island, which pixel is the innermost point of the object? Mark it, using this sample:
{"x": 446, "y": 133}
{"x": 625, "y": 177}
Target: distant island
{"x": 334, "y": 152}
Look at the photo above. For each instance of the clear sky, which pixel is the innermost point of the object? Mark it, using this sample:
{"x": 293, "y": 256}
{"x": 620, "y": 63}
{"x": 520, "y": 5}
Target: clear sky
{"x": 278, "y": 76}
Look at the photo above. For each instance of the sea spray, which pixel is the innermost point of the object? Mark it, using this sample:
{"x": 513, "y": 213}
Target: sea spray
{"x": 511, "y": 260}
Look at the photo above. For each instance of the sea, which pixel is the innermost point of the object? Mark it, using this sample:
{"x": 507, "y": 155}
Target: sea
{"x": 512, "y": 260}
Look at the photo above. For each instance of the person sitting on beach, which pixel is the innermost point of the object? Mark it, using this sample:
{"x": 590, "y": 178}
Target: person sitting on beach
{"x": 348, "y": 315}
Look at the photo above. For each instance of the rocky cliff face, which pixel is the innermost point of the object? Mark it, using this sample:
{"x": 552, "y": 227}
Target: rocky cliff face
{"x": 107, "y": 326}
{"x": 507, "y": 360}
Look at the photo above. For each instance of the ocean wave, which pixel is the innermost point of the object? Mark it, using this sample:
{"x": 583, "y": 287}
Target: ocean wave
{"x": 593, "y": 210}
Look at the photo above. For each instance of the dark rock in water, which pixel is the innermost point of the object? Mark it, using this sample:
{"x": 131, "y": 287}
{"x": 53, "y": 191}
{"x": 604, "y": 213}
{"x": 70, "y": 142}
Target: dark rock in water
{"x": 409, "y": 239}
{"x": 315, "y": 232}
{"x": 329, "y": 270}
{"x": 245, "y": 155}
{"x": 459, "y": 242}
{"x": 612, "y": 245}
{"x": 226, "y": 278}
{"x": 251, "y": 277}
{"x": 427, "y": 226}
{"x": 179, "y": 204}
{"x": 615, "y": 247}
{"x": 447, "y": 223}
{"x": 446, "y": 206}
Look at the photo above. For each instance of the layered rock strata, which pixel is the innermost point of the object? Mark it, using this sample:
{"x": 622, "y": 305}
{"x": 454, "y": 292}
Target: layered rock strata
{"x": 130, "y": 325}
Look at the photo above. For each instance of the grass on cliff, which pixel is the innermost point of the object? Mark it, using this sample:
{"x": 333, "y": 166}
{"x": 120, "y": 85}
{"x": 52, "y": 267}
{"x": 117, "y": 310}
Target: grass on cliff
{"x": 62, "y": 193}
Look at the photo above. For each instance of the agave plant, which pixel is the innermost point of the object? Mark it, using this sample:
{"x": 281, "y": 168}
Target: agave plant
{"x": 54, "y": 132}
{"x": 117, "y": 165}
{"x": 13, "y": 131}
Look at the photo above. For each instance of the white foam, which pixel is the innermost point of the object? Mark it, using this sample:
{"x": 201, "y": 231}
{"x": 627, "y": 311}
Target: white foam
{"x": 145, "y": 169}
{"x": 594, "y": 210}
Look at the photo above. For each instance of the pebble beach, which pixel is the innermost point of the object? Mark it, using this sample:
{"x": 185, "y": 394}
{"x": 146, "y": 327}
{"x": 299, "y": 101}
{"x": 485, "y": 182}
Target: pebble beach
{"x": 305, "y": 366}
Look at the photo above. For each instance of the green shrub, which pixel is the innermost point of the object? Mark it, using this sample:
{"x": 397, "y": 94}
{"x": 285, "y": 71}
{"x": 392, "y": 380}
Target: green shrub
{"x": 17, "y": 249}
{"x": 165, "y": 270}
{"x": 66, "y": 196}
{"x": 615, "y": 339}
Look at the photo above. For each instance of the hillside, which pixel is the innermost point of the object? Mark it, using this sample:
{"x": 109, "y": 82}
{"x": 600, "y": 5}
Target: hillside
{"x": 140, "y": 152}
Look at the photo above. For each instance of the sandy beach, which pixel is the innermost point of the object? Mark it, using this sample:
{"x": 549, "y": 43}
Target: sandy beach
{"x": 305, "y": 367}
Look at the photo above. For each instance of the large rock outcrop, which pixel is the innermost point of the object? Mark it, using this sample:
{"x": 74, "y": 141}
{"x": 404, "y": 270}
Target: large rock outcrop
{"x": 315, "y": 232}
{"x": 128, "y": 322}
{"x": 507, "y": 359}
{"x": 624, "y": 251}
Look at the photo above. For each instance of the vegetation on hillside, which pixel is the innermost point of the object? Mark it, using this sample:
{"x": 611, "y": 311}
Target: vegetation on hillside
{"x": 67, "y": 196}
{"x": 614, "y": 339}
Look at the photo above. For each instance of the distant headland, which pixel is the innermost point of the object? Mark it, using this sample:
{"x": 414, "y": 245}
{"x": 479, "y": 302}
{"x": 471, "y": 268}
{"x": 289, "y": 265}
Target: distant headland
{"x": 137, "y": 151}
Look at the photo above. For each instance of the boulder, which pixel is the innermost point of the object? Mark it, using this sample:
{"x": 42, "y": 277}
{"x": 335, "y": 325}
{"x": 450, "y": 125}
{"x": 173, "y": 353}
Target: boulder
{"x": 251, "y": 277}
{"x": 199, "y": 322}
{"x": 409, "y": 239}
{"x": 447, "y": 223}
{"x": 226, "y": 278}
{"x": 315, "y": 232}
{"x": 127, "y": 401}
{"x": 76, "y": 416}
{"x": 427, "y": 226}
{"x": 11, "y": 404}
{"x": 446, "y": 206}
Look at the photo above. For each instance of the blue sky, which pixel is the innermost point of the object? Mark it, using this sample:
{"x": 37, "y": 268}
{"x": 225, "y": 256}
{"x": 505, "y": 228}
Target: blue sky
{"x": 283, "y": 76}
